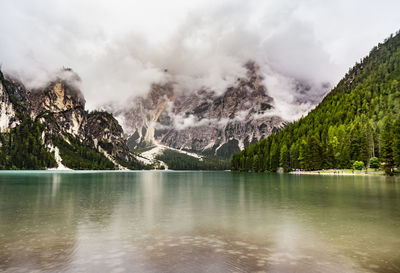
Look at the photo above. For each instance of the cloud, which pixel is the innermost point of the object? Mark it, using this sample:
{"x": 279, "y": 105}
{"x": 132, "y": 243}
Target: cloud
{"x": 181, "y": 122}
{"x": 119, "y": 49}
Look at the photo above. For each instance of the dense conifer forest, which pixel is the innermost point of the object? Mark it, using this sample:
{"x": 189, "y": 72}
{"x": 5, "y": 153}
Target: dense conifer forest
{"x": 358, "y": 120}
{"x": 180, "y": 161}
{"x": 22, "y": 147}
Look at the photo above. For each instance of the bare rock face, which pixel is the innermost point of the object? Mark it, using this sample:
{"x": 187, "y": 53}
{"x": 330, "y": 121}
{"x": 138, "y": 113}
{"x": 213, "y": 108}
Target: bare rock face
{"x": 204, "y": 121}
{"x": 7, "y": 113}
{"x": 66, "y": 105}
{"x": 58, "y": 96}
{"x": 60, "y": 107}
{"x": 147, "y": 111}
{"x": 65, "y": 102}
{"x": 12, "y": 101}
{"x": 106, "y": 132}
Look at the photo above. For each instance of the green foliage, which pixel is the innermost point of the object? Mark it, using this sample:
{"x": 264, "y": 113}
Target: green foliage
{"x": 387, "y": 158}
{"x": 107, "y": 146}
{"x": 228, "y": 149}
{"x": 284, "y": 158}
{"x": 349, "y": 125}
{"x": 80, "y": 155}
{"x": 134, "y": 164}
{"x": 358, "y": 165}
{"x": 22, "y": 147}
{"x": 396, "y": 142}
{"x": 374, "y": 163}
{"x": 179, "y": 161}
{"x": 25, "y": 146}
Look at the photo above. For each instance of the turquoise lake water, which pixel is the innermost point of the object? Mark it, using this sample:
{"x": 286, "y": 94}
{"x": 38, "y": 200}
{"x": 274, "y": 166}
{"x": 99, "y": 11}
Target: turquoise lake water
{"x": 154, "y": 221}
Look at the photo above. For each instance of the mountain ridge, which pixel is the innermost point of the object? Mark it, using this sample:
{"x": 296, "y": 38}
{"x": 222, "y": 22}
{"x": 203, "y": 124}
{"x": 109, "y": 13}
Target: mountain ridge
{"x": 51, "y": 122}
{"x": 203, "y": 121}
{"x": 349, "y": 125}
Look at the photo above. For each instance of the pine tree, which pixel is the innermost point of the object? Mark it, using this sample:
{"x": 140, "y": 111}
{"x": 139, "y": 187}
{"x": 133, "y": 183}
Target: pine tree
{"x": 284, "y": 161}
{"x": 387, "y": 146}
{"x": 313, "y": 153}
{"x": 365, "y": 149}
{"x": 274, "y": 156}
{"x": 302, "y": 154}
{"x": 294, "y": 155}
{"x": 396, "y": 142}
{"x": 349, "y": 124}
{"x": 256, "y": 163}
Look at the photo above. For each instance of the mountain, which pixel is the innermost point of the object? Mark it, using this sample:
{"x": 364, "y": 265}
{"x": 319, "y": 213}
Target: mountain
{"x": 50, "y": 128}
{"x": 203, "y": 121}
{"x": 358, "y": 120}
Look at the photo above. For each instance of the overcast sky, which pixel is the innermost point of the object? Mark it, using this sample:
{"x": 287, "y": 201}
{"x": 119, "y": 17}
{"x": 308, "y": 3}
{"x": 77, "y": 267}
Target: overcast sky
{"x": 120, "y": 47}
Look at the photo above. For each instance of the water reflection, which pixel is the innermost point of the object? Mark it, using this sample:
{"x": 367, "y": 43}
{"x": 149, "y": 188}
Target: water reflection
{"x": 197, "y": 222}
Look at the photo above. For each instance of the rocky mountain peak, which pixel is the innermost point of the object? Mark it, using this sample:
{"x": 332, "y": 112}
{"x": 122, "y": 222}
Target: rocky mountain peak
{"x": 60, "y": 109}
{"x": 58, "y": 96}
{"x": 159, "y": 93}
{"x": 253, "y": 73}
{"x": 202, "y": 120}
{"x": 7, "y": 112}
{"x": 107, "y": 134}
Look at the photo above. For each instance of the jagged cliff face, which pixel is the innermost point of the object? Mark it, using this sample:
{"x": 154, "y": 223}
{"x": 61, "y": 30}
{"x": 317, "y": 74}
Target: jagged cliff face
{"x": 60, "y": 107}
{"x": 65, "y": 102}
{"x": 145, "y": 113}
{"x": 204, "y": 121}
{"x": 7, "y": 113}
{"x": 13, "y": 101}
{"x": 107, "y": 134}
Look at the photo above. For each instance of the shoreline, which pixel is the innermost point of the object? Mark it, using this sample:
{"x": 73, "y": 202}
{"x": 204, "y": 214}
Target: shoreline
{"x": 340, "y": 172}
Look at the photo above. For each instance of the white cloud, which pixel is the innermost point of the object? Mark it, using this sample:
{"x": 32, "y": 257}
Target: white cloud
{"x": 119, "y": 48}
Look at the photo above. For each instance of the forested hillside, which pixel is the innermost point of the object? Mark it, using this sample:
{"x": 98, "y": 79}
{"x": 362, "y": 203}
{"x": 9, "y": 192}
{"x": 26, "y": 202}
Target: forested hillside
{"x": 180, "y": 161}
{"x": 49, "y": 127}
{"x": 22, "y": 147}
{"x": 358, "y": 120}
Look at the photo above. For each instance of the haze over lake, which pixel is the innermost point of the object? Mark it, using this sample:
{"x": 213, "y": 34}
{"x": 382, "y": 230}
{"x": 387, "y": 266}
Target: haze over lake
{"x": 153, "y": 221}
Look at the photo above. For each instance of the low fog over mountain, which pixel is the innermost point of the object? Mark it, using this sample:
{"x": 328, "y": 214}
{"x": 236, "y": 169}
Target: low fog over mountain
{"x": 154, "y": 63}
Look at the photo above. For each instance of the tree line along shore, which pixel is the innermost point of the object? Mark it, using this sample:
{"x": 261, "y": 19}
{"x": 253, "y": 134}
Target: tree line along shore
{"x": 357, "y": 125}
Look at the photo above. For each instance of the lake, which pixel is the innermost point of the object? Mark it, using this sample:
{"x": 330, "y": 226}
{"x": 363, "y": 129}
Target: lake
{"x": 155, "y": 221}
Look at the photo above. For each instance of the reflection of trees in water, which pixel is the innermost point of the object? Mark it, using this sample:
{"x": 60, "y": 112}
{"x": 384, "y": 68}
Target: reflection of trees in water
{"x": 41, "y": 213}
{"x": 38, "y": 232}
{"x": 53, "y": 221}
